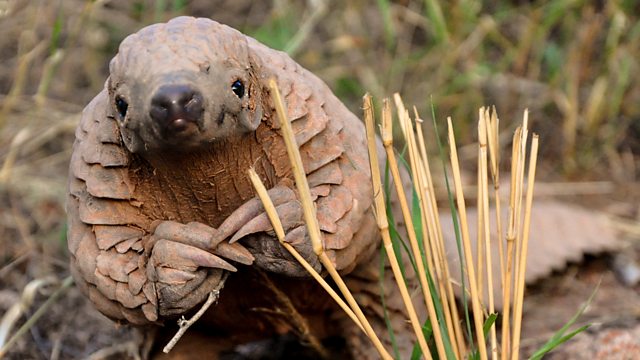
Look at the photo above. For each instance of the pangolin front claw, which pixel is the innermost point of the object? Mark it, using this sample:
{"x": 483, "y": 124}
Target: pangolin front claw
{"x": 250, "y": 211}
{"x": 194, "y": 234}
{"x": 205, "y": 238}
{"x": 290, "y": 214}
{"x": 175, "y": 255}
{"x": 235, "y": 252}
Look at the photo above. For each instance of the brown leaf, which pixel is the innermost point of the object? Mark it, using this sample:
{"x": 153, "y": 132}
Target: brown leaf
{"x": 560, "y": 233}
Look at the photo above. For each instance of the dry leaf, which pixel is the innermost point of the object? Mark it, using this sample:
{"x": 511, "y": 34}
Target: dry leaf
{"x": 560, "y": 233}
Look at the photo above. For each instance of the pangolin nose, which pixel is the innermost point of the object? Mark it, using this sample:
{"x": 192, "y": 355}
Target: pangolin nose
{"x": 176, "y": 107}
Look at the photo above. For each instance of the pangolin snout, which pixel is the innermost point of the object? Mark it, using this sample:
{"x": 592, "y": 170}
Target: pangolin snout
{"x": 177, "y": 108}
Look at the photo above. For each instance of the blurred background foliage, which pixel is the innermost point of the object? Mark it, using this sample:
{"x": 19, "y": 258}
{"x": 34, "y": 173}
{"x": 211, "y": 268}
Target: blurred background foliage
{"x": 573, "y": 63}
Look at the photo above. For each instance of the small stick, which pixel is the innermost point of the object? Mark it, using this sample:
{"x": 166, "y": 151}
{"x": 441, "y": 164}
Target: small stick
{"x": 186, "y": 324}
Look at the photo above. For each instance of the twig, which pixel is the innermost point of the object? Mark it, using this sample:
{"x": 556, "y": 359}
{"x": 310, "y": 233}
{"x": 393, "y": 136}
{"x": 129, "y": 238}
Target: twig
{"x": 186, "y": 324}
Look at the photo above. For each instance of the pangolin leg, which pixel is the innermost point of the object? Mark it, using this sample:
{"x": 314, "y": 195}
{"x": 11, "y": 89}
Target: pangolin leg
{"x": 250, "y": 210}
{"x": 290, "y": 214}
{"x": 251, "y": 224}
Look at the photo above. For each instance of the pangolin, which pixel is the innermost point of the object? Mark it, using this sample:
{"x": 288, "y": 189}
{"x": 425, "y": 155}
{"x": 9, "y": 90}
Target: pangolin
{"x": 160, "y": 206}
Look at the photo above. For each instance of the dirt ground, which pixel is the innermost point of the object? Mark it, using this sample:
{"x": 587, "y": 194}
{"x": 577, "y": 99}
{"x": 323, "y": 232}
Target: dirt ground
{"x": 54, "y": 59}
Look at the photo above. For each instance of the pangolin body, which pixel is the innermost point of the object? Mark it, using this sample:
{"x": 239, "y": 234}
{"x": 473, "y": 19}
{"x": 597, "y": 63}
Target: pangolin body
{"x": 158, "y": 192}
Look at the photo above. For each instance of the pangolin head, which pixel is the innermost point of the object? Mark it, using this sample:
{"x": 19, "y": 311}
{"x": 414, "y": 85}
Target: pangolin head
{"x": 181, "y": 85}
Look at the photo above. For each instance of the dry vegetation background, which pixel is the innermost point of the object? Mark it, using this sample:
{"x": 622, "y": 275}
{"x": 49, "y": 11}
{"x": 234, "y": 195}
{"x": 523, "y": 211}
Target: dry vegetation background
{"x": 573, "y": 63}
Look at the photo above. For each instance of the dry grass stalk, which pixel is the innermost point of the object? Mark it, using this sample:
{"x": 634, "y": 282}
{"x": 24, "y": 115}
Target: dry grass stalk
{"x": 310, "y": 216}
{"x": 510, "y": 239}
{"x": 381, "y": 212}
{"x": 481, "y": 214}
{"x": 298, "y": 170}
{"x": 475, "y": 300}
{"x": 42, "y": 310}
{"x": 433, "y": 239}
{"x": 512, "y": 267}
{"x": 516, "y": 258}
{"x": 431, "y": 219}
{"x": 480, "y": 231}
{"x": 418, "y": 180}
{"x": 434, "y": 253}
{"x": 277, "y": 227}
{"x": 12, "y": 154}
{"x": 493, "y": 140}
{"x": 519, "y": 189}
{"x": 21, "y": 74}
{"x": 516, "y": 191}
{"x": 519, "y": 295}
{"x": 483, "y": 209}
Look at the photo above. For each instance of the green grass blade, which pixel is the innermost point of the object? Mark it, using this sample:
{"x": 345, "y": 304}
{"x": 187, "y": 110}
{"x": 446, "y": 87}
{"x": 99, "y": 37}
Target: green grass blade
{"x": 389, "y": 31}
{"x": 416, "y": 215}
{"x": 159, "y": 10}
{"x": 179, "y": 6}
{"x": 427, "y": 330}
{"x": 56, "y": 31}
{"x": 397, "y": 241}
{"x": 434, "y": 13}
{"x": 559, "y": 337}
{"x": 441, "y": 317}
{"x": 550, "y": 345}
{"x": 276, "y": 33}
{"x": 488, "y": 323}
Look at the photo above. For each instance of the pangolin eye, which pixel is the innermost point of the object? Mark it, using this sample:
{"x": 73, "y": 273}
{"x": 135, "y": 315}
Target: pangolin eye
{"x": 238, "y": 88}
{"x": 122, "y": 106}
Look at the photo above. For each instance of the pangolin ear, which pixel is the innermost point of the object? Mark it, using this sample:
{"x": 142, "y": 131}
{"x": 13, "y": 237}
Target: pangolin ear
{"x": 110, "y": 110}
{"x": 251, "y": 114}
